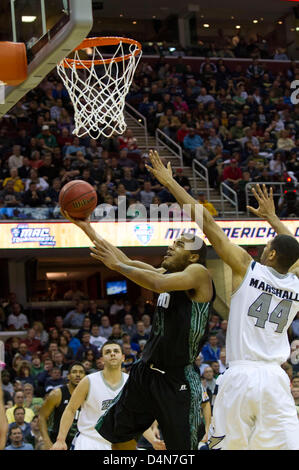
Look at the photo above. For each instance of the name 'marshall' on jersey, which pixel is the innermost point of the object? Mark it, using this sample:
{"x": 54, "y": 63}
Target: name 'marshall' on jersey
{"x": 282, "y": 294}
{"x": 25, "y": 234}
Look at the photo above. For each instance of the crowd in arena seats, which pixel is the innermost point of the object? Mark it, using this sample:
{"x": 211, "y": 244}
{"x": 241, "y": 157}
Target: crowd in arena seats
{"x": 38, "y": 362}
{"x": 237, "y": 122}
{"x": 253, "y": 46}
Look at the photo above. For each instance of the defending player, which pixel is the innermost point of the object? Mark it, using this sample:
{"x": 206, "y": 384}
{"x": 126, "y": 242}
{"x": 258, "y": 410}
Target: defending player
{"x": 94, "y": 395}
{"x": 164, "y": 385}
{"x": 56, "y": 403}
{"x": 254, "y": 408}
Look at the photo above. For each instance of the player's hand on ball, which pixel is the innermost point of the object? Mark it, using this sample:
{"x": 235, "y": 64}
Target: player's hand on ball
{"x": 158, "y": 170}
{"x": 83, "y": 224}
{"x": 102, "y": 251}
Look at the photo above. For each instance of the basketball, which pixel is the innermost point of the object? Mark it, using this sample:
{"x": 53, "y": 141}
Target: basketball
{"x": 78, "y": 198}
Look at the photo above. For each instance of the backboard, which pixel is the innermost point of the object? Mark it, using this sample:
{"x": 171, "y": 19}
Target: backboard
{"x": 50, "y": 29}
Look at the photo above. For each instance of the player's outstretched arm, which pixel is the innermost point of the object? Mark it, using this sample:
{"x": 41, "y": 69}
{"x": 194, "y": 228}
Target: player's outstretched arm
{"x": 235, "y": 256}
{"x": 266, "y": 209}
{"x": 77, "y": 399}
{"x": 195, "y": 276}
{"x": 85, "y": 225}
{"x": 51, "y": 402}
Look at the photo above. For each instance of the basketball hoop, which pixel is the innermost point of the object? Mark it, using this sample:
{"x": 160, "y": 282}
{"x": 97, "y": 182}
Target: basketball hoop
{"x": 98, "y": 86}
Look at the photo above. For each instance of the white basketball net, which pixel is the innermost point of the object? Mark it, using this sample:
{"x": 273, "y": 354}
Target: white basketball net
{"x": 98, "y": 92}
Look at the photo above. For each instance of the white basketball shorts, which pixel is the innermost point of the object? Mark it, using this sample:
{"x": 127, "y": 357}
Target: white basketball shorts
{"x": 254, "y": 409}
{"x": 82, "y": 442}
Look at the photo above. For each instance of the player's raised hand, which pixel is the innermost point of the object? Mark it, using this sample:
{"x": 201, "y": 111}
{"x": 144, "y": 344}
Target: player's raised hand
{"x": 266, "y": 208}
{"x": 158, "y": 170}
{"x": 83, "y": 224}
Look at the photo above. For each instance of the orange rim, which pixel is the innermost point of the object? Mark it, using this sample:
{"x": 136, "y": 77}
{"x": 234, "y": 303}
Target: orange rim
{"x": 102, "y": 41}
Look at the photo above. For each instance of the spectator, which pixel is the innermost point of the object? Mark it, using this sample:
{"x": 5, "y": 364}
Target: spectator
{"x": 211, "y": 350}
{"x": 129, "y": 326}
{"x": 280, "y": 54}
{"x": 74, "y": 318}
{"x": 277, "y": 166}
{"x": 17, "y": 320}
{"x": 124, "y": 161}
{"x": 7, "y": 385}
{"x": 232, "y": 175}
{"x": 95, "y": 338}
{"x": 182, "y": 180}
{"x": 41, "y": 184}
{"x": 9, "y": 197}
{"x": 208, "y": 205}
{"x": 33, "y": 197}
{"x": 146, "y": 194}
{"x": 129, "y": 358}
{"x": 128, "y": 142}
{"x": 214, "y": 140}
{"x": 33, "y": 435}
{"x": 169, "y": 123}
{"x": 255, "y": 71}
{"x": 19, "y": 419}
{"x": 105, "y": 329}
{"x": 208, "y": 375}
{"x": 65, "y": 349}
{"x": 221, "y": 335}
{"x": 285, "y": 142}
{"x": 141, "y": 336}
{"x": 16, "y": 159}
{"x": 73, "y": 342}
{"x": 36, "y": 366}
{"x": 24, "y": 372}
{"x": 191, "y": 143}
{"x": 94, "y": 312}
{"x": 55, "y": 380}
{"x": 30, "y": 401}
{"x": 147, "y": 323}
{"x": 41, "y": 377}
{"x": 17, "y": 441}
{"x": 18, "y": 184}
{"x": 86, "y": 326}
{"x": 85, "y": 347}
{"x": 116, "y": 334}
{"x": 19, "y": 401}
{"x": 74, "y": 293}
{"x": 24, "y": 170}
{"x": 47, "y": 140}
{"x": 130, "y": 183}
{"x": 222, "y": 361}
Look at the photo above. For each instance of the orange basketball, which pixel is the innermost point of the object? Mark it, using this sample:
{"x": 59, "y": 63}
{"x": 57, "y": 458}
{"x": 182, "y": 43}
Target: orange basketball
{"x": 78, "y": 198}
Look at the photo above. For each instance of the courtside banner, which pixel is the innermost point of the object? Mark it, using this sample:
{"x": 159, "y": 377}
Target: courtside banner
{"x": 130, "y": 234}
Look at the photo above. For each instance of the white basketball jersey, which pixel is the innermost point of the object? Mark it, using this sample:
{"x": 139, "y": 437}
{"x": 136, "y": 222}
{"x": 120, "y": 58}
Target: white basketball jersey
{"x": 261, "y": 311}
{"x": 99, "y": 398}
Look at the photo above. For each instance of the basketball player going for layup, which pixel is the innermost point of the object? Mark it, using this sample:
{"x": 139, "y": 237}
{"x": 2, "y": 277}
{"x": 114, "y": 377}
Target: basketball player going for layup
{"x": 254, "y": 408}
{"x": 164, "y": 385}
